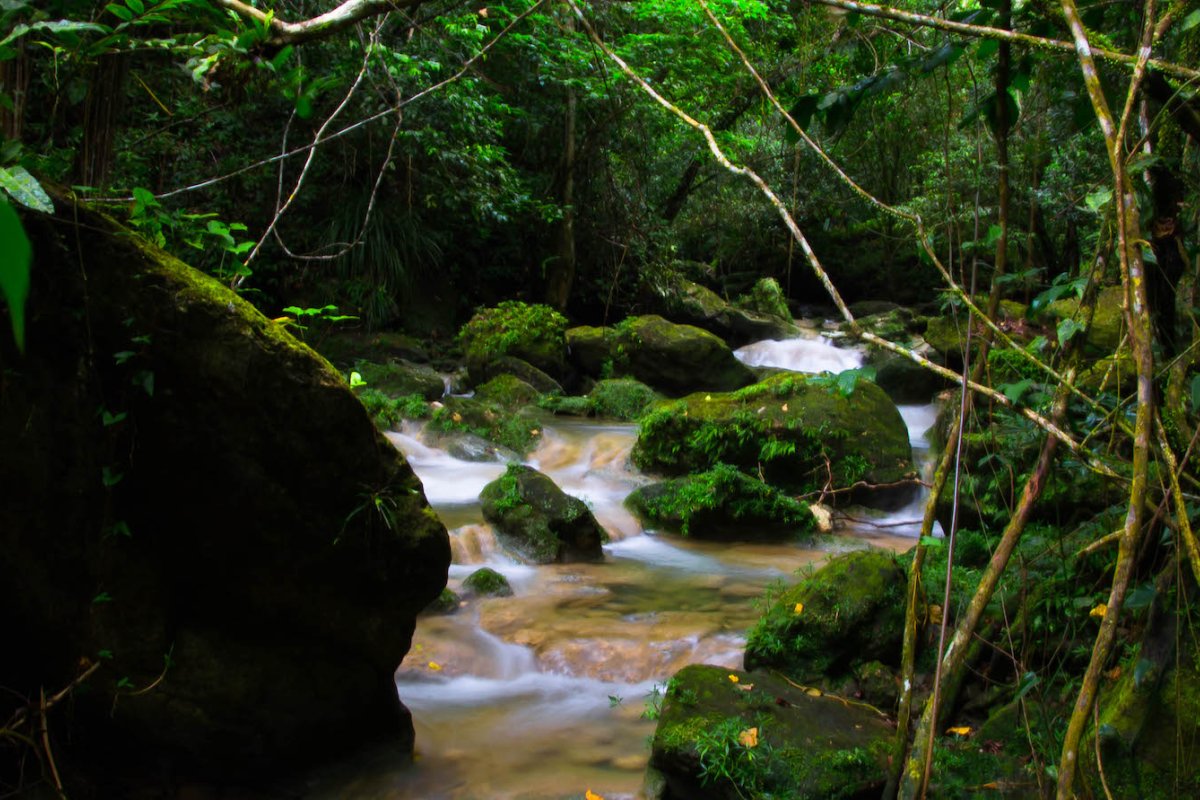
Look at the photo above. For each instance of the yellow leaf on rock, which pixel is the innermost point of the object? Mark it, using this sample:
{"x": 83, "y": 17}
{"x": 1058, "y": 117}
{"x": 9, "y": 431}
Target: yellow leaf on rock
{"x": 590, "y": 795}
{"x": 1099, "y": 611}
{"x": 960, "y": 730}
{"x": 748, "y": 737}
{"x": 435, "y": 666}
{"x": 783, "y": 407}
{"x": 799, "y": 608}
{"x": 457, "y": 417}
{"x": 734, "y": 678}
{"x": 813, "y": 692}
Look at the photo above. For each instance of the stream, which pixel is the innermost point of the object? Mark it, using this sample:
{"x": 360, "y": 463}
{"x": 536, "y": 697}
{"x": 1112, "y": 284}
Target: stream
{"x": 541, "y": 695}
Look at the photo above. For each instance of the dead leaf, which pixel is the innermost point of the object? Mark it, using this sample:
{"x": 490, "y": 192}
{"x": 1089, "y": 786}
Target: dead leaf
{"x": 748, "y": 737}
{"x": 457, "y": 417}
{"x": 813, "y": 692}
{"x": 483, "y": 12}
{"x": 798, "y": 608}
{"x": 745, "y": 687}
{"x": 435, "y": 666}
{"x": 734, "y": 679}
{"x": 590, "y": 795}
{"x": 1099, "y": 611}
{"x": 783, "y": 407}
{"x": 935, "y": 615}
{"x": 960, "y": 730}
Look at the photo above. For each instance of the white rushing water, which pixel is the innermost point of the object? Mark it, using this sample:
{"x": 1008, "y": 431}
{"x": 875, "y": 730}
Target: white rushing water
{"x": 810, "y": 354}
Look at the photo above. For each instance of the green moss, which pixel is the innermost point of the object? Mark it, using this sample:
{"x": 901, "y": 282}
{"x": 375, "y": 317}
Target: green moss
{"x": 519, "y": 432}
{"x": 486, "y": 581}
{"x": 534, "y": 333}
{"x": 799, "y": 432}
{"x": 507, "y": 391}
{"x": 766, "y": 297}
{"x": 721, "y": 502}
{"x": 387, "y": 412}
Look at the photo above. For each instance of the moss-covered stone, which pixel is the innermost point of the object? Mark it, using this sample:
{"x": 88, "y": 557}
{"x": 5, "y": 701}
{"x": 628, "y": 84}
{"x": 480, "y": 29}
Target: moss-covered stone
{"x": 617, "y": 398}
{"x": 721, "y": 503}
{"x": 486, "y": 582}
{"x": 518, "y": 431}
{"x": 591, "y": 350}
{"x": 1108, "y": 320}
{"x": 402, "y": 378}
{"x": 766, "y": 297}
{"x": 677, "y": 359}
{"x": 223, "y": 505}
{"x": 754, "y": 317}
{"x": 516, "y": 367}
{"x": 344, "y": 347}
{"x": 446, "y": 603}
{"x": 802, "y": 432}
{"x": 803, "y": 745}
{"x": 530, "y": 332}
{"x": 537, "y": 520}
{"x": 849, "y": 612}
{"x": 507, "y": 391}
{"x": 904, "y": 380}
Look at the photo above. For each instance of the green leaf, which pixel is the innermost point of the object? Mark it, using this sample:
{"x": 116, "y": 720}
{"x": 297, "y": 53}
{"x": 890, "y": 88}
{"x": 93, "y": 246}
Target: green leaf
{"x": 1068, "y": 328}
{"x": 933, "y": 541}
{"x": 111, "y": 477}
{"x": 58, "y": 26}
{"x": 15, "y": 256}
{"x": 25, "y": 189}
{"x": 1028, "y": 681}
{"x": 120, "y": 12}
{"x": 103, "y": 597}
{"x": 109, "y": 419}
{"x": 1014, "y": 391}
{"x": 1190, "y": 21}
{"x": 135, "y": 6}
{"x": 1195, "y": 394}
{"x": 1141, "y": 597}
{"x": 1098, "y": 199}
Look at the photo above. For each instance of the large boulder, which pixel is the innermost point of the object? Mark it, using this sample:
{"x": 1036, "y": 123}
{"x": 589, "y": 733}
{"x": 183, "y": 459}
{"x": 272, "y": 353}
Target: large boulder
{"x": 399, "y": 378}
{"x": 677, "y": 359}
{"x": 683, "y": 301}
{"x": 725, "y": 735}
{"x": 848, "y": 613}
{"x": 527, "y": 331}
{"x": 194, "y": 501}
{"x": 804, "y": 433}
{"x": 721, "y": 503}
{"x": 538, "y": 520}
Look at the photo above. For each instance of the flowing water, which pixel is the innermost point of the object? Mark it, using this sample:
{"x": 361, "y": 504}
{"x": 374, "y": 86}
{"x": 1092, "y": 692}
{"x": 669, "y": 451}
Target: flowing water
{"x": 541, "y": 695}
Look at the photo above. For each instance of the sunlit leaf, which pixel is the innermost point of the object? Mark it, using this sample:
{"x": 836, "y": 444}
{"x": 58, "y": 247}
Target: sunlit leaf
{"x": 734, "y": 678}
{"x": 25, "y": 189}
{"x": 960, "y": 730}
{"x": 798, "y": 609}
{"x": 748, "y": 737}
{"x": 1099, "y": 610}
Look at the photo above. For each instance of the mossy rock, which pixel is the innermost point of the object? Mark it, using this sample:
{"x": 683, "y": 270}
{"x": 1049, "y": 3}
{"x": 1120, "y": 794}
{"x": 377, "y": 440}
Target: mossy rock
{"x": 802, "y": 432}
{"x": 231, "y": 539}
{"x": 904, "y": 380}
{"x": 847, "y": 613}
{"x": 677, "y": 359}
{"x": 1108, "y": 320}
{"x": 802, "y": 747}
{"x": 446, "y": 603}
{"x": 591, "y": 350}
{"x": 507, "y": 391}
{"x": 947, "y": 334}
{"x": 622, "y": 399}
{"x": 388, "y": 412}
{"x": 898, "y": 325}
{"x": 721, "y": 503}
{"x": 486, "y": 582}
{"x": 538, "y": 521}
{"x": 518, "y": 431}
{"x": 530, "y": 332}
{"x": 402, "y": 378}
{"x": 516, "y": 367}
{"x": 766, "y": 297}
{"x": 344, "y": 347}
{"x": 753, "y": 318}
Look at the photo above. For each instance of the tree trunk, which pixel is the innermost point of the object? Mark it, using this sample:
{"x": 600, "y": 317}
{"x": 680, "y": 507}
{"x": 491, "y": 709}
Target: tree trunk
{"x": 101, "y": 115}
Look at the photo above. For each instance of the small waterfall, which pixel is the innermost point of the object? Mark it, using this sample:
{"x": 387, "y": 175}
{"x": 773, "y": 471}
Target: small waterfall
{"x": 474, "y": 544}
{"x": 804, "y": 354}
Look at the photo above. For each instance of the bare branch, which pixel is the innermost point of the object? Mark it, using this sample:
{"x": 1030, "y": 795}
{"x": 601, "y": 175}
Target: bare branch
{"x": 343, "y": 16}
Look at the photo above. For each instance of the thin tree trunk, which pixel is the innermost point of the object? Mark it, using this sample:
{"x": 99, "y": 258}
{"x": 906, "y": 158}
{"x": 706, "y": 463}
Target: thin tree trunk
{"x": 101, "y": 115}
{"x": 14, "y": 82}
{"x": 562, "y": 268}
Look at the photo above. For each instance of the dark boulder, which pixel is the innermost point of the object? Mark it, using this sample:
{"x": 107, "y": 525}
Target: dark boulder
{"x": 191, "y": 499}
{"x": 538, "y": 520}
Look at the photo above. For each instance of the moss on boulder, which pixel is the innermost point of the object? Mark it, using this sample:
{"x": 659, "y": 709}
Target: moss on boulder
{"x": 802, "y": 432}
{"x": 401, "y": 378}
{"x": 530, "y": 332}
{"x": 622, "y": 399}
{"x": 515, "y": 429}
{"x": 847, "y": 613}
{"x": 538, "y": 521}
{"x": 721, "y": 503}
{"x": 761, "y": 314}
{"x": 728, "y": 735}
{"x": 486, "y": 582}
{"x": 677, "y": 359}
{"x": 591, "y": 350}
{"x": 507, "y": 391}
{"x": 188, "y": 461}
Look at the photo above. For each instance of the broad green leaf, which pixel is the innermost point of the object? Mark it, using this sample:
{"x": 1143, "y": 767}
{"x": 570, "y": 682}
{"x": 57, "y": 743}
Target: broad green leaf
{"x": 1195, "y": 393}
{"x": 135, "y": 6}
{"x": 120, "y": 12}
{"x": 1014, "y": 391}
{"x": 59, "y": 26}
{"x": 25, "y": 189}
{"x": 1141, "y": 597}
{"x": 1098, "y": 199}
{"x": 1190, "y": 21}
{"x": 1067, "y": 329}
{"x": 15, "y": 255}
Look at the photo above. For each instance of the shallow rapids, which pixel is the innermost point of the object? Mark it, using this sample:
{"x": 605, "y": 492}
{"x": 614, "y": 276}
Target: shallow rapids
{"x": 542, "y": 694}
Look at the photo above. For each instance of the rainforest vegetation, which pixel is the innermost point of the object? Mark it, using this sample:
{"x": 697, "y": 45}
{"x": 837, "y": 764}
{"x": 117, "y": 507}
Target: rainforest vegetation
{"x": 1002, "y": 195}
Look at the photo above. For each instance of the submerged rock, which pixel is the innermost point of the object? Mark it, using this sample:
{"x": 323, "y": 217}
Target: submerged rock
{"x": 722, "y": 503}
{"x": 538, "y": 520}
{"x": 201, "y": 506}
{"x": 803, "y": 433}
{"x": 729, "y": 734}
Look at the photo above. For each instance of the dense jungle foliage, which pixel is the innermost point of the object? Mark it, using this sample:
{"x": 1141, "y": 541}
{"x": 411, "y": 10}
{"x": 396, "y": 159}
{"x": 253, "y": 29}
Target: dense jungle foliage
{"x": 1024, "y": 175}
